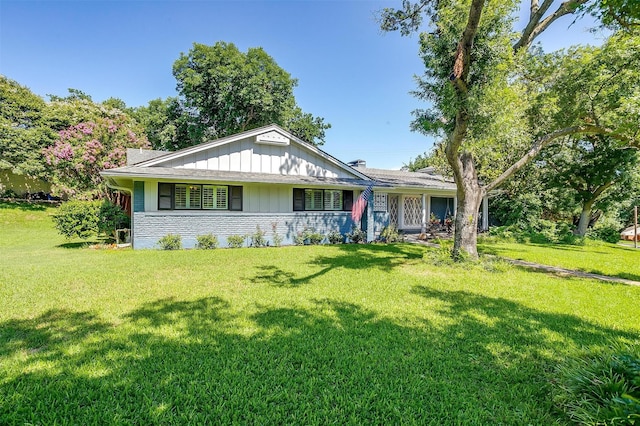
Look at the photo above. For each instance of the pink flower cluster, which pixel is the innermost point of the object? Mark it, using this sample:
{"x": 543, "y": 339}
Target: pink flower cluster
{"x": 78, "y": 131}
{"x": 61, "y": 151}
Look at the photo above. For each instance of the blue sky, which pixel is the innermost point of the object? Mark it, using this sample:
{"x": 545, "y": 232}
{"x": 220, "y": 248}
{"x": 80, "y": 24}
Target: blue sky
{"x": 348, "y": 72}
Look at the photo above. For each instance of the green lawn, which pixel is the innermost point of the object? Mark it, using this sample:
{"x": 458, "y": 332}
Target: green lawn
{"x": 293, "y": 335}
{"x": 598, "y": 258}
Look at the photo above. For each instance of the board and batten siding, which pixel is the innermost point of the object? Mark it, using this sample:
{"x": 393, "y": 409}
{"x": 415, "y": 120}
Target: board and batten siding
{"x": 247, "y": 156}
{"x": 256, "y": 198}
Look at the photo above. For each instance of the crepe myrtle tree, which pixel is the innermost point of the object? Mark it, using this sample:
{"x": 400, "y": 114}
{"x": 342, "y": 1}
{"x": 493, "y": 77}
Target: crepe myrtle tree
{"x": 83, "y": 150}
{"x": 490, "y": 115}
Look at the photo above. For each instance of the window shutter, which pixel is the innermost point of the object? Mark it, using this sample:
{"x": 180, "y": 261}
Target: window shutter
{"x": 298, "y": 199}
{"x": 138, "y": 196}
{"x": 348, "y": 200}
{"x": 165, "y": 196}
{"x": 235, "y": 198}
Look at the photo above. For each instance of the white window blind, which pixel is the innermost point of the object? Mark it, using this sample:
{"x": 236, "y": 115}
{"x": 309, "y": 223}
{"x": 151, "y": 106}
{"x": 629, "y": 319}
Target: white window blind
{"x": 333, "y": 200}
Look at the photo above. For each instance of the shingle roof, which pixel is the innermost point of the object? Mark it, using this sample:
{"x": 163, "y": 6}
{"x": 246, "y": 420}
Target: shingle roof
{"x": 402, "y": 178}
{"x": 135, "y": 156}
{"x": 225, "y": 176}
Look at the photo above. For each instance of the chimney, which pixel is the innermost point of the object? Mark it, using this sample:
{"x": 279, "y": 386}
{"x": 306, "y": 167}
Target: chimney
{"x": 357, "y": 163}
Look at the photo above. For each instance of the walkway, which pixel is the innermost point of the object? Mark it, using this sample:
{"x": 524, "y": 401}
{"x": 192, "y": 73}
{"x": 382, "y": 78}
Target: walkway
{"x": 570, "y": 272}
{"x": 412, "y": 238}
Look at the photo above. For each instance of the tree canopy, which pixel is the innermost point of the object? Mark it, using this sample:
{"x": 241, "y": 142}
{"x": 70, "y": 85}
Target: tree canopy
{"x": 490, "y": 114}
{"x": 23, "y": 129}
{"x": 223, "y": 91}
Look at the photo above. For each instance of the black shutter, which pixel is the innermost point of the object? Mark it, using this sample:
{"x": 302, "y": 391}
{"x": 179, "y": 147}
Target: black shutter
{"x": 298, "y": 199}
{"x": 235, "y": 198}
{"x": 347, "y": 201}
{"x": 165, "y": 196}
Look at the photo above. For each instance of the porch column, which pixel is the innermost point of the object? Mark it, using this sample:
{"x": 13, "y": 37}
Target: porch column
{"x": 423, "y": 228}
{"x": 400, "y": 211}
{"x": 370, "y": 225}
{"x": 485, "y": 213}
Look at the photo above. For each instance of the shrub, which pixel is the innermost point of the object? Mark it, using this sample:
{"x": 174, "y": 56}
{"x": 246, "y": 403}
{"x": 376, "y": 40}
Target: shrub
{"x": 308, "y": 236}
{"x": 601, "y": 387}
{"x": 112, "y": 217}
{"x": 315, "y": 238}
{"x": 277, "y": 238}
{"x": 77, "y": 218}
{"x": 606, "y": 230}
{"x": 299, "y": 239}
{"x": 170, "y": 242}
{"x": 357, "y": 235}
{"x": 539, "y": 231}
{"x": 390, "y": 234}
{"x": 206, "y": 242}
{"x": 84, "y": 219}
{"x": 257, "y": 238}
{"x": 235, "y": 241}
{"x": 335, "y": 237}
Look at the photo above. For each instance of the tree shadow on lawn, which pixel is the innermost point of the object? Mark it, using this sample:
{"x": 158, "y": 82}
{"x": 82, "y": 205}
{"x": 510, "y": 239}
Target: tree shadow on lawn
{"x": 383, "y": 257}
{"x": 480, "y": 360}
{"x": 24, "y": 206}
{"x": 78, "y": 244}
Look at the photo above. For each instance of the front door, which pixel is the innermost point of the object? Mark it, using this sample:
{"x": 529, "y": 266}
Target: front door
{"x": 412, "y": 207}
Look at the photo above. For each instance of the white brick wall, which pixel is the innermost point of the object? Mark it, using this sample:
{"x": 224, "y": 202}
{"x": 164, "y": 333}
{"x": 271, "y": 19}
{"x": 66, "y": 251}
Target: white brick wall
{"x": 149, "y": 227}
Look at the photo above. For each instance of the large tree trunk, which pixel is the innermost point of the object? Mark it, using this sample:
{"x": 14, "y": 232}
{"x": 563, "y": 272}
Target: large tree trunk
{"x": 470, "y": 195}
{"x": 585, "y": 218}
{"x": 585, "y": 215}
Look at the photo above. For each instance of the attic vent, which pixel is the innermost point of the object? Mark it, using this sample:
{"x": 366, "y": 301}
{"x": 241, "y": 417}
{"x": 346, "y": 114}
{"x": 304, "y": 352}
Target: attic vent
{"x": 272, "y": 138}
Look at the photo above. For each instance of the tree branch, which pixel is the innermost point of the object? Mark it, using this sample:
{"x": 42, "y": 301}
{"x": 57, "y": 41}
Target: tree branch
{"x": 537, "y": 12}
{"x": 600, "y": 190}
{"x": 534, "y": 6}
{"x": 541, "y": 143}
{"x": 537, "y": 25}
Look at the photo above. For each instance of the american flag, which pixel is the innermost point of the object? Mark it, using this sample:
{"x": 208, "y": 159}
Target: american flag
{"x": 360, "y": 204}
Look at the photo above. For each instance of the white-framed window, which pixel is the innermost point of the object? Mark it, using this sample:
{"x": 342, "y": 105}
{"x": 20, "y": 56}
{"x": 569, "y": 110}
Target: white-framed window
{"x": 313, "y": 199}
{"x": 322, "y": 199}
{"x": 332, "y": 199}
{"x": 380, "y": 202}
{"x": 181, "y": 196}
{"x": 214, "y": 197}
{"x": 188, "y": 196}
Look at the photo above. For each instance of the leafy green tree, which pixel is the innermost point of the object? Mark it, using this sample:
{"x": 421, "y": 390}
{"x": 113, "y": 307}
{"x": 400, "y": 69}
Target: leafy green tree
{"x": 591, "y": 171}
{"x": 483, "y": 106}
{"x": 168, "y": 125}
{"x": 23, "y": 129}
{"x": 224, "y": 91}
